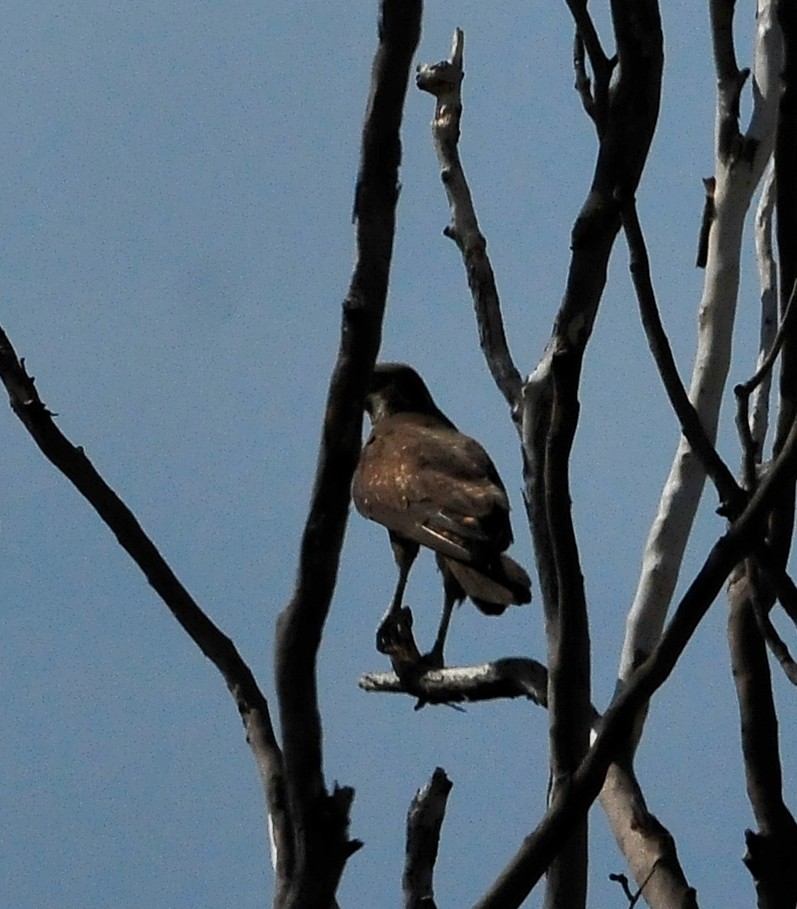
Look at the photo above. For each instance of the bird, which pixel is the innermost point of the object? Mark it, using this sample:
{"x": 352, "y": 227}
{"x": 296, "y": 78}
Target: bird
{"x": 430, "y": 485}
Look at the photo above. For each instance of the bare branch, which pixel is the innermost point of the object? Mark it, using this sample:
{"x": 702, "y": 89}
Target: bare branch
{"x": 751, "y": 449}
{"x": 709, "y": 213}
{"x": 424, "y": 820}
{"x": 540, "y": 847}
{"x": 771, "y": 858}
{"x": 506, "y": 678}
{"x": 444, "y": 81}
{"x": 646, "y": 843}
{"x": 731, "y": 496}
{"x": 768, "y": 284}
{"x": 781, "y": 525}
{"x": 774, "y": 642}
{"x": 320, "y": 826}
{"x": 595, "y": 102}
{"x": 214, "y": 644}
{"x": 737, "y": 175}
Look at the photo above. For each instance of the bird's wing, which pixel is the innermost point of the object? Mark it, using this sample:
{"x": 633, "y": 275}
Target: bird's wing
{"x": 430, "y": 483}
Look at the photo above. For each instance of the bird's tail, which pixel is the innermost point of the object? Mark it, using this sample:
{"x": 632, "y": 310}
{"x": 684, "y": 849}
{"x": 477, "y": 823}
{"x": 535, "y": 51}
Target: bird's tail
{"x": 494, "y": 586}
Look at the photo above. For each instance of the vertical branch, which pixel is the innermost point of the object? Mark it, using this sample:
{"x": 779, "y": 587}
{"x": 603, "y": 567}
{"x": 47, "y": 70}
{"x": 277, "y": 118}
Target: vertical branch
{"x": 320, "y": 820}
{"x": 569, "y": 656}
{"x": 740, "y": 160}
{"x": 424, "y": 821}
{"x": 625, "y": 117}
{"x": 444, "y": 81}
{"x": 782, "y": 521}
{"x": 771, "y": 850}
{"x": 768, "y": 284}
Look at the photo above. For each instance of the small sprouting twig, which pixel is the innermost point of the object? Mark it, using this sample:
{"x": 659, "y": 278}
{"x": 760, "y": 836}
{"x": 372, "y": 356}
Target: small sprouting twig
{"x": 622, "y": 880}
{"x": 709, "y": 214}
{"x": 444, "y": 81}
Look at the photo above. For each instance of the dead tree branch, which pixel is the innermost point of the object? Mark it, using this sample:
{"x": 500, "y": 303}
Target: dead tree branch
{"x": 214, "y": 644}
{"x": 770, "y": 851}
{"x": 541, "y": 846}
{"x": 444, "y": 81}
{"x": 320, "y": 820}
{"x": 731, "y": 496}
{"x": 506, "y": 678}
{"x": 424, "y": 821}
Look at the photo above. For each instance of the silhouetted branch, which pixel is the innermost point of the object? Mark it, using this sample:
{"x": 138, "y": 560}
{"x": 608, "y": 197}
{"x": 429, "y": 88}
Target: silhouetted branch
{"x": 424, "y": 820}
{"x": 444, "y": 81}
{"x": 731, "y": 497}
{"x": 751, "y": 448}
{"x": 320, "y": 820}
{"x": 214, "y": 644}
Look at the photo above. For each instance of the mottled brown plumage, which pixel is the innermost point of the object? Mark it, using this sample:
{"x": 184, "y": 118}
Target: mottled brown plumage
{"x": 432, "y": 486}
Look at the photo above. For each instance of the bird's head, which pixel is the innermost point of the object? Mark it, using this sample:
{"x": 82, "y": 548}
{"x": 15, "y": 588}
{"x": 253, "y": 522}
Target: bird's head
{"x": 397, "y": 388}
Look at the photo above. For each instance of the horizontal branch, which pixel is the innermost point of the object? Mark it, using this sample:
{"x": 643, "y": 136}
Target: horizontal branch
{"x": 505, "y": 678}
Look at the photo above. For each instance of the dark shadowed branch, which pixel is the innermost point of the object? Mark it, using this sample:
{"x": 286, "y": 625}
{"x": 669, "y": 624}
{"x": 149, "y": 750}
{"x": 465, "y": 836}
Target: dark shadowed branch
{"x": 781, "y": 527}
{"x": 771, "y": 850}
{"x": 320, "y": 820}
{"x": 424, "y": 820}
{"x": 731, "y": 496}
{"x": 625, "y": 119}
{"x": 214, "y": 644}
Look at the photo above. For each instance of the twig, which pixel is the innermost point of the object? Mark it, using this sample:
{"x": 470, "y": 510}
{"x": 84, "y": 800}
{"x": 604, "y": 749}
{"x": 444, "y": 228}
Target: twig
{"x": 444, "y": 81}
{"x": 775, "y": 643}
{"x": 214, "y": 644}
{"x": 424, "y": 820}
{"x": 595, "y": 102}
{"x": 321, "y": 820}
{"x": 709, "y": 214}
{"x": 751, "y": 449}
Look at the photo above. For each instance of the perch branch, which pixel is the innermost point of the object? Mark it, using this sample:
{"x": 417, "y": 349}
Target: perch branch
{"x": 444, "y": 81}
{"x": 321, "y": 820}
{"x": 214, "y": 644}
{"x": 424, "y": 821}
{"x": 505, "y": 678}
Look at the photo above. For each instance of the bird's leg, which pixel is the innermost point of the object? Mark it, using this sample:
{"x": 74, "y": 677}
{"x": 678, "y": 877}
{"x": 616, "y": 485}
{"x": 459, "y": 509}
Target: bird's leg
{"x": 395, "y": 627}
{"x": 453, "y": 593}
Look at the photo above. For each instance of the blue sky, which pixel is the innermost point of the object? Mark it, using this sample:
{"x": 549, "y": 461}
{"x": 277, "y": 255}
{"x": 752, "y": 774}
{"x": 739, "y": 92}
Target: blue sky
{"x": 177, "y": 191}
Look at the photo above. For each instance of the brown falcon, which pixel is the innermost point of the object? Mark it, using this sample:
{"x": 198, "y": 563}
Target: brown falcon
{"x": 432, "y": 486}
